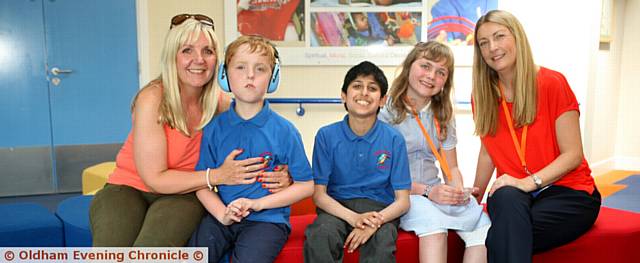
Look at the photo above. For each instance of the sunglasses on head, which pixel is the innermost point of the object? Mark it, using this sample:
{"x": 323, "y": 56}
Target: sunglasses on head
{"x": 179, "y": 19}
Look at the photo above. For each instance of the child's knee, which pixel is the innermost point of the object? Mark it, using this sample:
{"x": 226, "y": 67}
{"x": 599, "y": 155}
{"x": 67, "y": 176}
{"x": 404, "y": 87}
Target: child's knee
{"x": 386, "y": 235}
{"x": 323, "y": 241}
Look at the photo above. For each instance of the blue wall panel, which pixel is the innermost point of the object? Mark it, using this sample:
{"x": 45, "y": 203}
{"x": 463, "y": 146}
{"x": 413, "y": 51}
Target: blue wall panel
{"x": 86, "y": 117}
{"x": 97, "y": 40}
{"x": 24, "y": 98}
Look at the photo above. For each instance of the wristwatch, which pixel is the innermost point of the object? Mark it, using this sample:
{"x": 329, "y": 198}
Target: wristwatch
{"x": 427, "y": 191}
{"x": 537, "y": 180}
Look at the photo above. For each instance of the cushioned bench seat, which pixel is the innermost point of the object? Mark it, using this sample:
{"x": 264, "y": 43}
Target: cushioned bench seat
{"x": 613, "y": 238}
{"x": 74, "y": 214}
{"x": 29, "y": 225}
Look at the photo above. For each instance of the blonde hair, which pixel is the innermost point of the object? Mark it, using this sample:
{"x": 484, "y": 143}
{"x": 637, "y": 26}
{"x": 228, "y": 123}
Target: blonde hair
{"x": 257, "y": 44}
{"x": 171, "y": 111}
{"x": 441, "y": 104}
{"x": 486, "y": 94}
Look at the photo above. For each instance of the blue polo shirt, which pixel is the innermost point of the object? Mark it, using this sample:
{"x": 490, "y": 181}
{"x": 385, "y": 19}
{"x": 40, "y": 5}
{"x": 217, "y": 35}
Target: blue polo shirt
{"x": 267, "y": 135}
{"x": 372, "y": 166}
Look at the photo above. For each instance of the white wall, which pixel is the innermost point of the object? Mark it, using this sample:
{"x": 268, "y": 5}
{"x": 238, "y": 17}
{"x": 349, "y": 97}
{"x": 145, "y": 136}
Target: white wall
{"x": 563, "y": 35}
{"x": 603, "y": 120}
{"x": 627, "y": 145}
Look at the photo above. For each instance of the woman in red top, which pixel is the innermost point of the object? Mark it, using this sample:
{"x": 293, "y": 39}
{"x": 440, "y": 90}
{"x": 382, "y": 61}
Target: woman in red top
{"x": 527, "y": 119}
{"x": 148, "y": 199}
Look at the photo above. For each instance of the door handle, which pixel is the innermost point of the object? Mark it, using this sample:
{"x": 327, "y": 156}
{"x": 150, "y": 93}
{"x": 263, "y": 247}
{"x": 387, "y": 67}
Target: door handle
{"x": 56, "y": 71}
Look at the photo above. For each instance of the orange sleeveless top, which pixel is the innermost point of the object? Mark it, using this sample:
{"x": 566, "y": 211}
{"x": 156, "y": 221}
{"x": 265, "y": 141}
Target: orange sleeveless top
{"x": 182, "y": 154}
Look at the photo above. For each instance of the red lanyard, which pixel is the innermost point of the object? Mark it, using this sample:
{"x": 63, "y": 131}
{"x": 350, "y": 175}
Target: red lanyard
{"x": 520, "y": 147}
{"x": 439, "y": 155}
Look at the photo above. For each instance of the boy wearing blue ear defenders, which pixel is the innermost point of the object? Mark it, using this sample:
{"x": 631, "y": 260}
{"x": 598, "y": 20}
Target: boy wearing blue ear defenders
{"x": 246, "y": 220}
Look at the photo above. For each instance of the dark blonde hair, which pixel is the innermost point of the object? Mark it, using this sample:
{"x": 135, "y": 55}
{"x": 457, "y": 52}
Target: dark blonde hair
{"x": 441, "y": 104}
{"x": 257, "y": 44}
{"x": 486, "y": 94}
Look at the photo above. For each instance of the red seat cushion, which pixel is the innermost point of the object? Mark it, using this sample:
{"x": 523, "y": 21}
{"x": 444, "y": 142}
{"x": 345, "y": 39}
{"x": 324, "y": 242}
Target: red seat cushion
{"x": 613, "y": 238}
{"x": 303, "y": 207}
{"x": 292, "y": 250}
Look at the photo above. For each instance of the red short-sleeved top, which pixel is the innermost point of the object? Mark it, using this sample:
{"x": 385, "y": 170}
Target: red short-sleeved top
{"x": 554, "y": 98}
{"x": 182, "y": 154}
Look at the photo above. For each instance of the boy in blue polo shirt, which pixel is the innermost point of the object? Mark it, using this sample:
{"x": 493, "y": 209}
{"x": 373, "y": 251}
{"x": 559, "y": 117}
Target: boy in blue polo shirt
{"x": 246, "y": 220}
{"x": 361, "y": 175}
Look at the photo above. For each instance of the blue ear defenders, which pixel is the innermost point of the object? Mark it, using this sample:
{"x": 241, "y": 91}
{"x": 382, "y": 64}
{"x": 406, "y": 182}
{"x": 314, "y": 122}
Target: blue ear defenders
{"x": 222, "y": 78}
{"x": 274, "y": 82}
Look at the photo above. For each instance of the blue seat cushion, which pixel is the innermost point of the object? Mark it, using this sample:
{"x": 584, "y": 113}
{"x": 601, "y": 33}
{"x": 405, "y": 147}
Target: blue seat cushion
{"x": 74, "y": 214}
{"x": 29, "y": 225}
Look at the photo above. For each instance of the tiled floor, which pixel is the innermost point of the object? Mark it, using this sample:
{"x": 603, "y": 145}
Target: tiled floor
{"x": 627, "y": 196}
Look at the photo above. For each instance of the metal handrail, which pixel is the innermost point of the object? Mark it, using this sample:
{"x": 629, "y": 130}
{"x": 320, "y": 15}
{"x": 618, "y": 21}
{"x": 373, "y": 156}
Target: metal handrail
{"x": 300, "y": 110}
{"x": 305, "y": 100}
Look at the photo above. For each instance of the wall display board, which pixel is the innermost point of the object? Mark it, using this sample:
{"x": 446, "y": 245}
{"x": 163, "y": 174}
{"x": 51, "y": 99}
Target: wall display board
{"x": 345, "y": 32}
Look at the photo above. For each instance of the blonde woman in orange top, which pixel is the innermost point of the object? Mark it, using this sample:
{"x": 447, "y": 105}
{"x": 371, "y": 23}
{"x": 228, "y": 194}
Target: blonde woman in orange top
{"x": 148, "y": 199}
